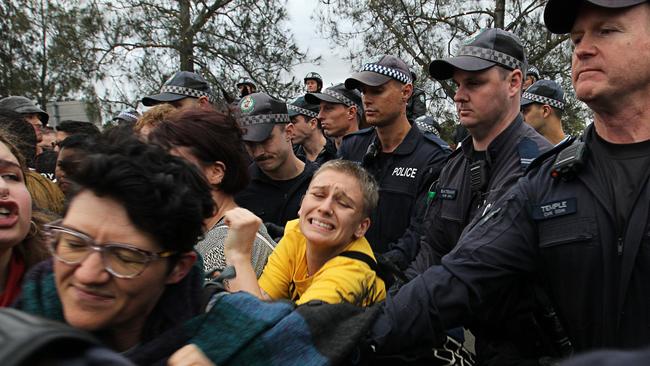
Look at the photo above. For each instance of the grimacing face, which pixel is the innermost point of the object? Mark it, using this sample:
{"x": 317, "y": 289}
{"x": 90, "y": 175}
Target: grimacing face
{"x": 332, "y": 212}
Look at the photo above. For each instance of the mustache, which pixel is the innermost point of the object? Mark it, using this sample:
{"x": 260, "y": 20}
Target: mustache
{"x": 262, "y": 157}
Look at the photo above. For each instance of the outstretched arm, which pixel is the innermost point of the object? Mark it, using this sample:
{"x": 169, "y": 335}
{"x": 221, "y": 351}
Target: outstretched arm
{"x": 242, "y": 228}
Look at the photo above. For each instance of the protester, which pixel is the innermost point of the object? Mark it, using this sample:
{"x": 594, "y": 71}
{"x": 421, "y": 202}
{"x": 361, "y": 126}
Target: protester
{"x": 403, "y": 160}
{"x": 306, "y": 133}
{"x": 278, "y": 178}
{"x": 341, "y": 112}
{"x": 576, "y": 222}
{"x": 69, "y": 128}
{"x": 313, "y": 82}
{"x": 29, "y": 111}
{"x": 142, "y": 211}
{"x": 315, "y": 260}
{"x": 21, "y": 239}
{"x": 212, "y": 142}
{"x": 71, "y": 154}
{"x": 149, "y": 307}
{"x": 542, "y": 105}
{"x": 151, "y": 118}
{"x": 184, "y": 90}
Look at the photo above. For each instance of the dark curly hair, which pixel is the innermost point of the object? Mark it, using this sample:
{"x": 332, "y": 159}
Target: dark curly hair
{"x": 211, "y": 136}
{"x": 163, "y": 195}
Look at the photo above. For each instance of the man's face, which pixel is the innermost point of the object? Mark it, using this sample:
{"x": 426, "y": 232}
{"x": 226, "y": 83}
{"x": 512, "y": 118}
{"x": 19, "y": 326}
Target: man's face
{"x": 384, "y": 104}
{"x": 331, "y": 213}
{"x": 534, "y": 115}
{"x": 611, "y": 57}
{"x": 481, "y": 97}
{"x": 334, "y": 119}
{"x": 530, "y": 80}
{"x": 302, "y": 128}
{"x": 93, "y": 299}
{"x": 35, "y": 121}
{"x": 271, "y": 154}
{"x": 60, "y": 136}
{"x": 311, "y": 85}
{"x": 67, "y": 163}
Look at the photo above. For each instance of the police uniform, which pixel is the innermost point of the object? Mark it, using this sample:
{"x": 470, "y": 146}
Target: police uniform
{"x": 403, "y": 176}
{"x": 275, "y": 201}
{"x": 559, "y": 231}
{"x": 467, "y": 187}
{"x": 328, "y": 153}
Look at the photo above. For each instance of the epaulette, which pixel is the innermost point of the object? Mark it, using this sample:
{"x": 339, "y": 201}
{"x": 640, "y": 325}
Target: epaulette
{"x": 552, "y": 152}
{"x": 528, "y": 151}
{"x": 436, "y": 140}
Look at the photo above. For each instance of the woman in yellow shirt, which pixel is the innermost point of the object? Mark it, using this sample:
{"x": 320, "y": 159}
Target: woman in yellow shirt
{"x": 307, "y": 263}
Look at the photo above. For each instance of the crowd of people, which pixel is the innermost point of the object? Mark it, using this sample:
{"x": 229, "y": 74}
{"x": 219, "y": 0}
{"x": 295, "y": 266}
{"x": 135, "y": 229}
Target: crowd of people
{"x": 338, "y": 227}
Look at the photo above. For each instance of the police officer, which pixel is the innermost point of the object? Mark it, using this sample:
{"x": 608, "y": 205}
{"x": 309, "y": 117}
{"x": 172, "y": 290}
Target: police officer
{"x": 278, "y": 178}
{"x": 496, "y": 154}
{"x": 306, "y": 134}
{"x": 403, "y": 160}
{"x": 246, "y": 86}
{"x": 542, "y": 106}
{"x": 532, "y": 76}
{"x": 313, "y": 82}
{"x": 577, "y": 222}
{"x": 184, "y": 89}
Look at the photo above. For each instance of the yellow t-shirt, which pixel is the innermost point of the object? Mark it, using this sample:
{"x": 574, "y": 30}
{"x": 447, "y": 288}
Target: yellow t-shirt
{"x": 340, "y": 279}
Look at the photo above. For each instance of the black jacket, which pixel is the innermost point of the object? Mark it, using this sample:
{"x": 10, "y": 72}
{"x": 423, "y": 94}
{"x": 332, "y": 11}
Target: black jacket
{"x": 560, "y": 233}
{"x": 403, "y": 176}
{"x": 456, "y": 203}
{"x": 328, "y": 153}
{"x": 268, "y": 200}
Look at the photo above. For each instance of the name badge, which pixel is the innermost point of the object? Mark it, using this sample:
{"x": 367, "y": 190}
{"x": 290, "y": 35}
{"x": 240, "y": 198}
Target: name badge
{"x": 554, "y": 209}
{"x": 448, "y": 193}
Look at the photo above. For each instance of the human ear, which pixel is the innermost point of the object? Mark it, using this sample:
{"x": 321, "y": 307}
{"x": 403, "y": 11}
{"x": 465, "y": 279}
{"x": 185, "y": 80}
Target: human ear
{"x": 181, "y": 268}
{"x": 407, "y": 92}
{"x": 515, "y": 82}
{"x": 352, "y": 112}
{"x": 215, "y": 172}
{"x": 362, "y": 228}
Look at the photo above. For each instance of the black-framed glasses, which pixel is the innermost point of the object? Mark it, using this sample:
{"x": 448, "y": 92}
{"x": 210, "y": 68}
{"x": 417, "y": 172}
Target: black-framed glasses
{"x": 121, "y": 260}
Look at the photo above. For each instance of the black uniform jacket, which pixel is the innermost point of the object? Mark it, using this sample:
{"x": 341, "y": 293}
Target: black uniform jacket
{"x": 455, "y": 204}
{"x": 403, "y": 176}
{"x": 560, "y": 232}
{"x": 267, "y": 199}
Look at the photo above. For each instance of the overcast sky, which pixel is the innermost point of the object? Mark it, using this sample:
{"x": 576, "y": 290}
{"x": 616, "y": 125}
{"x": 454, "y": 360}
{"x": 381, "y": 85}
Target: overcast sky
{"x": 333, "y": 68}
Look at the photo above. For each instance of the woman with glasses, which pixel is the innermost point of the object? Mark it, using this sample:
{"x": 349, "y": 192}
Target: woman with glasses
{"x": 21, "y": 243}
{"x": 123, "y": 264}
{"x": 212, "y": 142}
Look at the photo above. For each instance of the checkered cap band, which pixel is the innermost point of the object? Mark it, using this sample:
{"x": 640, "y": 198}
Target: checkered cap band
{"x": 127, "y": 116}
{"x": 349, "y": 102}
{"x": 492, "y": 55}
{"x": 260, "y": 119}
{"x": 427, "y": 127}
{"x": 544, "y": 100}
{"x": 393, "y": 73}
{"x": 304, "y": 111}
{"x": 186, "y": 91}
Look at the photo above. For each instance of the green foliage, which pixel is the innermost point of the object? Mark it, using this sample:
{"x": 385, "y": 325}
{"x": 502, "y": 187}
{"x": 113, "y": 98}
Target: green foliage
{"x": 420, "y": 31}
{"x": 47, "y": 51}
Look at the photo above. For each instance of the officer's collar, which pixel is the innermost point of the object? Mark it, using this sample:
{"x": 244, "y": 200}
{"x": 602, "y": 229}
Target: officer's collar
{"x": 409, "y": 143}
{"x": 496, "y": 146}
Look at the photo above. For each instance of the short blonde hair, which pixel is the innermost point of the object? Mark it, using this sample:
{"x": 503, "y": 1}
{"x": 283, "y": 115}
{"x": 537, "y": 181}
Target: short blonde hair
{"x": 367, "y": 182}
